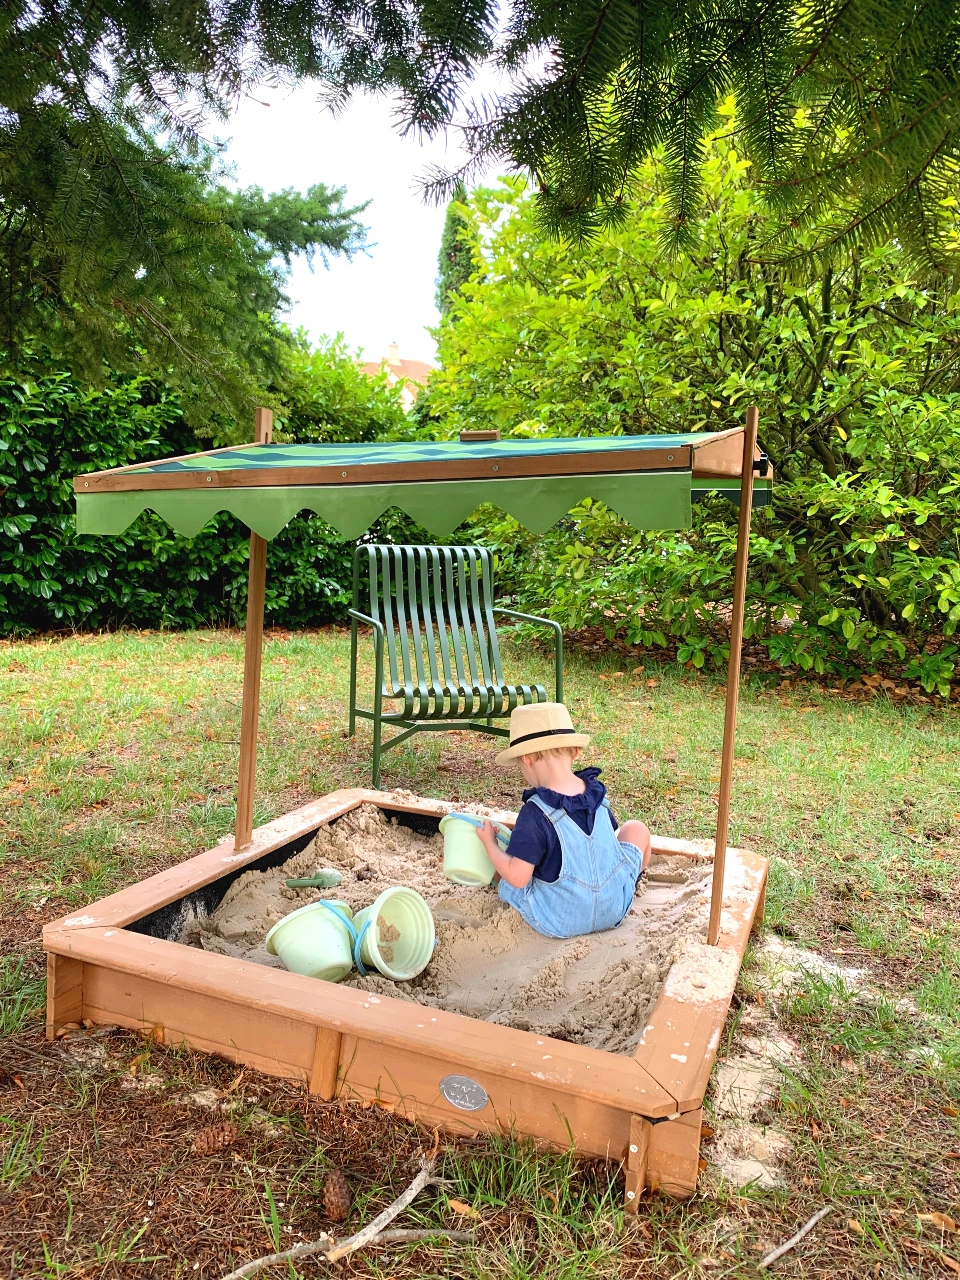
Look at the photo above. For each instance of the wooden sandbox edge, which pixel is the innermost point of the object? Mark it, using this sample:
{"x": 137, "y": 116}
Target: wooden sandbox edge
{"x": 599, "y": 1102}
{"x": 681, "y": 1039}
{"x": 140, "y": 899}
{"x": 555, "y": 1093}
{"x": 145, "y": 966}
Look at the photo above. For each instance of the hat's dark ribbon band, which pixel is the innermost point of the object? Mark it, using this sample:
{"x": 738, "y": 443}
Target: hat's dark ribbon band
{"x": 541, "y": 733}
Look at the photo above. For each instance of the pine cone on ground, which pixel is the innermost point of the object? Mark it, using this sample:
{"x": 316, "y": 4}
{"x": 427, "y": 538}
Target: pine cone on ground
{"x": 213, "y": 1139}
{"x": 336, "y": 1196}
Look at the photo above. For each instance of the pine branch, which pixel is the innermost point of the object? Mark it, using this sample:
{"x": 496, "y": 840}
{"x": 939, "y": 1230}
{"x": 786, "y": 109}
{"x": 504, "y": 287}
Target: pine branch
{"x": 334, "y": 1251}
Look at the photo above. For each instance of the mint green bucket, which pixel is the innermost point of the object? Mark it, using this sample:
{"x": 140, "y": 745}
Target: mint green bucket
{"x": 465, "y": 860}
{"x": 397, "y": 934}
{"x": 315, "y": 941}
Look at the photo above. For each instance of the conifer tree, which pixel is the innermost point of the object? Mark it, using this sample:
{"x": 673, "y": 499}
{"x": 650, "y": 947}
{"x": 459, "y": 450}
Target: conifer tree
{"x": 456, "y": 258}
{"x": 118, "y": 252}
{"x": 850, "y": 117}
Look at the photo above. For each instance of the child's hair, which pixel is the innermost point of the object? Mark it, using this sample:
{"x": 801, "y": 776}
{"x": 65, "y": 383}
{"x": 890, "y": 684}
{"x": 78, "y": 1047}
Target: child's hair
{"x": 572, "y": 753}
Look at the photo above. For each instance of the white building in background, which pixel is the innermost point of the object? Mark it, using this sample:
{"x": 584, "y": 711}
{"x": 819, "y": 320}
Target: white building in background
{"x": 411, "y": 374}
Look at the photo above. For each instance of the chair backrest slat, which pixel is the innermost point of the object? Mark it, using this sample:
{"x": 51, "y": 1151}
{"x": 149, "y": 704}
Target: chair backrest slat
{"x": 431, "y": 586}
{"x": 462, "y": 596}
{"x": 381, "y": 606}
{"x": 436, "y": 607}
{"x": 447, "y": 586}
{"x": 478, "y": 628}
{"x": 496, "y": 666}
{"x": 417, "y": 637}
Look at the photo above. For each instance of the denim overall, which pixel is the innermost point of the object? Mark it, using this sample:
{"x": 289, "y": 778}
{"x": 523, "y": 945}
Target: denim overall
{"x": 597, "y": 882}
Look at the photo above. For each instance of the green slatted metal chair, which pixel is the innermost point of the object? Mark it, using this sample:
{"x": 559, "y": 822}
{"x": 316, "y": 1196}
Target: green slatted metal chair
{"x": 435, "y": 643}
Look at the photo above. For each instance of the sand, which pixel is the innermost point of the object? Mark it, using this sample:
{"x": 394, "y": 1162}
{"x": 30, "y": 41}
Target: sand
{"x": 595, "y": 990}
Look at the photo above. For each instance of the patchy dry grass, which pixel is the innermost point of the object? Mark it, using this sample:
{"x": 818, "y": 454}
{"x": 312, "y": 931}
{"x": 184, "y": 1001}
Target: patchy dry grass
{"x": 118, "y": 756}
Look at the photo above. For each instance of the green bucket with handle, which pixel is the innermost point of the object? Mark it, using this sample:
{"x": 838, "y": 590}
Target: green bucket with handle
{"x": 315, "y": 940}
{"x": 465, "y": 860}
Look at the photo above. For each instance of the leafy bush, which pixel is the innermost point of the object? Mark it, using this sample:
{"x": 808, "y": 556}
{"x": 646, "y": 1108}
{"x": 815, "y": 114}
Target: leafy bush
{"x": 52, "y": 429}
{"x": 325, "y": 396}
{"x": 853, "y": 368}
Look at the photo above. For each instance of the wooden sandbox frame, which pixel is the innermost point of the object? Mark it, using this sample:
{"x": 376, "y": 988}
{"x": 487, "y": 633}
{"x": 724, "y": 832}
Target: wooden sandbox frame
{"x": 106, "y": 965}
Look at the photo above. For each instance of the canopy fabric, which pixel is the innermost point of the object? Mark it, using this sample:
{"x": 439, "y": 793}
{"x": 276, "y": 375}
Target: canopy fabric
{"x": 648, "y": 480}
{"x": 255, "y": 457}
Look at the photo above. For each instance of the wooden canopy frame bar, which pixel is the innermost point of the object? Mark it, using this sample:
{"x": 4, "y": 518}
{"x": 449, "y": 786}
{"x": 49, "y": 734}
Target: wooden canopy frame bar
{"x": 733, "y": 673}
{"x": 717, "y": 457}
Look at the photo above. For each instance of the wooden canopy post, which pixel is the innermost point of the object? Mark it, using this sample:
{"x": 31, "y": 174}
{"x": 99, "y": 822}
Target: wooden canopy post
{"x": 252, "y": 659}
{"x": 733, "y": 674}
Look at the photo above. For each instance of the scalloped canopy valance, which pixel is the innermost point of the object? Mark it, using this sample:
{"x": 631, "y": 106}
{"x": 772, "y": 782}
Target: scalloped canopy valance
{"x": 649, "y": 480}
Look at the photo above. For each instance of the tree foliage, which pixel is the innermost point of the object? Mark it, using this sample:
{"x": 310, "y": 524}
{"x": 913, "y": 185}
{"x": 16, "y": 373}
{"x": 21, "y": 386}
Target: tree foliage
{"x": 456, "y": 260}
{"x": 857, "y": 374}
{"x": 128, "y": 253}
{"x": 849, "y": 115}
{"x": 325, "y": 396}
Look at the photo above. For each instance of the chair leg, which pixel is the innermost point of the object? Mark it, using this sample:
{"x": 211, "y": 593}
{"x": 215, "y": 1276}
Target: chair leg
{"x": 377, "y": 708}
{"x": 352, "y": 727}
{"x": 377, "y": 751}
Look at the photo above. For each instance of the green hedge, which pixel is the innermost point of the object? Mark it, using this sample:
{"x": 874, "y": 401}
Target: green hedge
{"x": 51, "y": 578}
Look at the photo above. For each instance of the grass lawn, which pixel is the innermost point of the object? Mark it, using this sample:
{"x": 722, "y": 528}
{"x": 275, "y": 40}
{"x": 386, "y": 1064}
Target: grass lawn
{"x": 118, "y": 757}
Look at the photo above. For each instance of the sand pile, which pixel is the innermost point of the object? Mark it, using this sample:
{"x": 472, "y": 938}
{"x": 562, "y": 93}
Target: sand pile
{"x": 596, "y": 990}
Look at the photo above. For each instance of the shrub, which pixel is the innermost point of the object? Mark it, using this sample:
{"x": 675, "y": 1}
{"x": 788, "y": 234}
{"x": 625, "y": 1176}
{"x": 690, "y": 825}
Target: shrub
{"x": 852, "y": 365}
{"x": 52, "y": 429}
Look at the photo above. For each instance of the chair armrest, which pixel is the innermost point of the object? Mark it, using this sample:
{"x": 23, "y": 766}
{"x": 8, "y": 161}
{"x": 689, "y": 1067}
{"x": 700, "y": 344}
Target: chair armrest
{"x": 379, "y": 639}
{"x": 372, "y": 622}
{"x": 557, "y": 643}
{"x": 530, "y": 617}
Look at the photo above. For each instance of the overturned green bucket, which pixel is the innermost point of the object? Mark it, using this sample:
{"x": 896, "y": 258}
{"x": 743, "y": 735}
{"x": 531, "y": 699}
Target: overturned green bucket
{"x": 397, "y": 934}
{"x": 315, "y": 941}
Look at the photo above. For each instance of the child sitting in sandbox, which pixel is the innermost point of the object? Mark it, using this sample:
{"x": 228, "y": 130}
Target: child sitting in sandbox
{"x": 569, "y": 869}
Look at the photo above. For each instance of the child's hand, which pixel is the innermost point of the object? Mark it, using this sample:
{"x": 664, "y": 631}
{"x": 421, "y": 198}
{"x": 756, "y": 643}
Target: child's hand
{"x": 515, "y": 871}
{"x": 488, "y": 836}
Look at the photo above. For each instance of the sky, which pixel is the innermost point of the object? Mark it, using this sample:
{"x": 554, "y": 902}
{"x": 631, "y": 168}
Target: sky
{"x": 286, "y": 140}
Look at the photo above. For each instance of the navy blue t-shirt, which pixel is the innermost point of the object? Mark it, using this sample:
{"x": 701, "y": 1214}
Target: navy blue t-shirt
{"x": 534, "y": 837}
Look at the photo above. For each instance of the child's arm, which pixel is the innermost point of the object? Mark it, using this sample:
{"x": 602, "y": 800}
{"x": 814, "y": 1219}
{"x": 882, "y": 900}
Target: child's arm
{"x": 515, "y": 871}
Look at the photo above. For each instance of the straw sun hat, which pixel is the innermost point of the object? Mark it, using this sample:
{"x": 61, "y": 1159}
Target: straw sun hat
{"x": 540, "y": 726}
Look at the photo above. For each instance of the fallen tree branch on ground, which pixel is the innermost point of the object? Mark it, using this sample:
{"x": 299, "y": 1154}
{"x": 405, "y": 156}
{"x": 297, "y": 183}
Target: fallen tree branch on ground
{"x": 794, "y": 1240}
{"x": 374, "y": 1233}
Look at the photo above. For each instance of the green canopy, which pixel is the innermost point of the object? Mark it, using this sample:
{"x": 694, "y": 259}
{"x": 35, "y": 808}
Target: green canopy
{"x": 649, "y": 480}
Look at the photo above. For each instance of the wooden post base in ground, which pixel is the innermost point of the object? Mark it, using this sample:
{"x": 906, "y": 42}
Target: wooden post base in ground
{"x": 663, "y": 1156}
{"x": 636, "y": 1162}
{"x": 761, "y": 908}
{"x": 325, "y": 1072}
